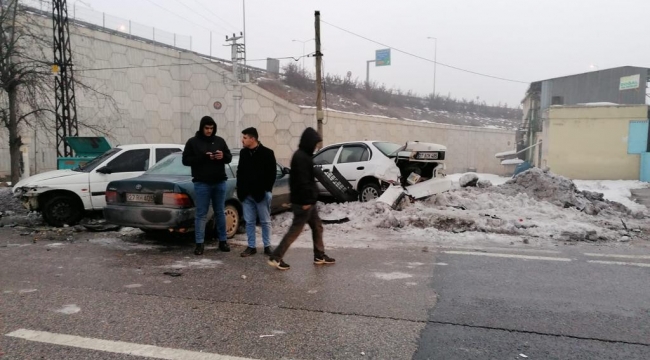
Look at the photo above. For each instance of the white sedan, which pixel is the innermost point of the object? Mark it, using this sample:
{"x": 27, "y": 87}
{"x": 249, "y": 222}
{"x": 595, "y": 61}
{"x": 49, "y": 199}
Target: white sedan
{"x": 371, "y": 166}
{"x": 62, "y": 196}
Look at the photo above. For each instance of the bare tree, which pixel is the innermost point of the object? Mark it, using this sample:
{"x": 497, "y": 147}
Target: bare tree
{"x": 27, "y": 80}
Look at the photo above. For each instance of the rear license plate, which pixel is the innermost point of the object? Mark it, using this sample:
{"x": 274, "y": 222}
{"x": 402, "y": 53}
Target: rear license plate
{"x": 139, "y": 197}
{"x": 427, "y": 156}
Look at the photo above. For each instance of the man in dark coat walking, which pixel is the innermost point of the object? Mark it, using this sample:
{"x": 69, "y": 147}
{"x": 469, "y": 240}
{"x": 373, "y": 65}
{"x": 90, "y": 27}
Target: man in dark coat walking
{"x": 208, "y": 155}
{"x": 256, "y": 176}
{"x": 304, "y": 195}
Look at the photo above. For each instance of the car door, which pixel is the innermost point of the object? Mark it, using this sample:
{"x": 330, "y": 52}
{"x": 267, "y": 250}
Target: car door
{"x": 125, "y": 165}
{"x": 326, "y": 158}
{"x": 353, "y": 162}
{"x": 281, "y": 193}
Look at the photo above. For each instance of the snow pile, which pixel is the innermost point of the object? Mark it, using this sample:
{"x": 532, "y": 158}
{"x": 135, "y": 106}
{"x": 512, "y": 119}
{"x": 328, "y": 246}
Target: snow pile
{"x": 469, "y": 179}
{"x": 9, "y": 203}
{"x": 534, "y": 205}
{"x": 559, "y": 191}
{"x": 615, "y": 190}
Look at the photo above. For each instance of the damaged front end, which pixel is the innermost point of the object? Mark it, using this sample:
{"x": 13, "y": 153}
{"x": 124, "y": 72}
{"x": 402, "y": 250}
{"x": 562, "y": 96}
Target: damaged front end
{"x": 29, "y": 196}
{"x": 421, "y": 173}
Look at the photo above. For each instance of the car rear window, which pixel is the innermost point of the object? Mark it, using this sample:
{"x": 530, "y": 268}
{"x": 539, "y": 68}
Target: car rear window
{"x": 387, "y": 148}
{"x": 171, "y": 165}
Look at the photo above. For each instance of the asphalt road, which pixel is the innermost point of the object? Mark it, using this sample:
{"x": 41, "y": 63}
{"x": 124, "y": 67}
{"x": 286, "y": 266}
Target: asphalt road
{"x": 105, "y": 297}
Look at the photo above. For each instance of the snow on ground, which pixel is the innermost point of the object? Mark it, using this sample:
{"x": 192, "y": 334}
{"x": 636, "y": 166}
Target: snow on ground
{"x": 615, "y": 190}
{"x": 538, "y": 208}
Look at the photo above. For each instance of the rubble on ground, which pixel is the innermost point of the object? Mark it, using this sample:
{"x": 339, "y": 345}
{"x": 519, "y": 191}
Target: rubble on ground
{"x": 560, "y": 191}
{"x": 535, "y": 204}
{"x": 468, "y": 180}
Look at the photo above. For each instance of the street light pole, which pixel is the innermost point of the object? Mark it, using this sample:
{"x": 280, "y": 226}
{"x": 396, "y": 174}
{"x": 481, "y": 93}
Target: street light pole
{"x": 303, "y": 50}
{"x": 435, "y": 62}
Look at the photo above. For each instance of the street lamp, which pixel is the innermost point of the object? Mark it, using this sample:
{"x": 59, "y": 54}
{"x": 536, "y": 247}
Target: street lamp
{"x": 435, "y": 62}
{"x": 303, "y": 50}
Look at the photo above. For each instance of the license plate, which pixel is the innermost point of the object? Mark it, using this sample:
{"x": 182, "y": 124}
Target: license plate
{"x": 139, "y": 197}
{"x": 427, "y": 156}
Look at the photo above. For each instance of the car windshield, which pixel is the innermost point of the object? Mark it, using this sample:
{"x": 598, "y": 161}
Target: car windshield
{"x": 92, "y": 164}
{"x": 388, "y": 149}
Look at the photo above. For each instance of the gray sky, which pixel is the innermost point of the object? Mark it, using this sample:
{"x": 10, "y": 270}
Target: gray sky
{"x": 516, "y": 39}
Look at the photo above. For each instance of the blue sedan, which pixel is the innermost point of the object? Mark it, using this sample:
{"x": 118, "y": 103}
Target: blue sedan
{"x": 163, "y": 198}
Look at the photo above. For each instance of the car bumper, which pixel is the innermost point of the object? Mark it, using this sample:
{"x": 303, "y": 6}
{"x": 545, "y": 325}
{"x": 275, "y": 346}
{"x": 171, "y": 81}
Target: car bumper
{"x": 150, "y": 218}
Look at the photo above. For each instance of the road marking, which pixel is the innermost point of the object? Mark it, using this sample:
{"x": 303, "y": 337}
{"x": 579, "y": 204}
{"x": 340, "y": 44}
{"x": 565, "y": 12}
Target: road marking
{"x": 644, "y": 257}
{"x": 118, "y": 347}
{"x": 618, "y": 263}
{"x": 512, "y": 256}
{"x": 518, "y": 249}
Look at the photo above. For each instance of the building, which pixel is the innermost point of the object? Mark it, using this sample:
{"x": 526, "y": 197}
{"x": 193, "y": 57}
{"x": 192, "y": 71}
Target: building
{"x": 564, "y": 116}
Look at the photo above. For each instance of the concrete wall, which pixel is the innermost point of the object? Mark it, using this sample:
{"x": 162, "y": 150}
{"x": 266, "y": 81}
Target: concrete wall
{"x": 590, "y": 143}
{"x": 158, "y": 95}
{"x": 467, "y": 147}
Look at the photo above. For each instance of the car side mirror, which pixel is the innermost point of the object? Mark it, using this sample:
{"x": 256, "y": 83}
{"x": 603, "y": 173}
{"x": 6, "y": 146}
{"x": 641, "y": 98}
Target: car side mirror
{"x": 104, "y": 170}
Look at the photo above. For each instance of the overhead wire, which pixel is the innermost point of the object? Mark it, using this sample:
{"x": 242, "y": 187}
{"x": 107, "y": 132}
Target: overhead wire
{"x": 177, "y": 15}
{"x": 201, "y": 15}
{"x": 423, "y": 58}
{"x": 215, "y": 15}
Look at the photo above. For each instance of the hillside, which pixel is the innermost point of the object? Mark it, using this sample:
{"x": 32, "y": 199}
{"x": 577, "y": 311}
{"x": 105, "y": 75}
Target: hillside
{"x": 344, "y": 94}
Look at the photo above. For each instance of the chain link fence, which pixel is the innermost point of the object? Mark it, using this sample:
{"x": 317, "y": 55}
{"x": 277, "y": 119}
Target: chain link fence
{"x": 84, "y": 14}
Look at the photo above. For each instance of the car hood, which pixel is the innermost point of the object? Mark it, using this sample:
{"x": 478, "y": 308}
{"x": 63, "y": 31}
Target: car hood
{"x": 48, "y": 175}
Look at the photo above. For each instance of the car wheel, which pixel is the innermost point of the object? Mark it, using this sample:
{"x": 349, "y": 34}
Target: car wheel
{"x": 232, "y": 220}
{"x": 369, "y": 191}
{"x": 62, "y": 210}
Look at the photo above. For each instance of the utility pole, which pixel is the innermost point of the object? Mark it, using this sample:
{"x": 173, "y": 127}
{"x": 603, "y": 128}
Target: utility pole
{"x": 319, "y": 77}
{"x": 238, "y": 54}
{"x": 65, "y": 100}
{"x": 244, "y": 33}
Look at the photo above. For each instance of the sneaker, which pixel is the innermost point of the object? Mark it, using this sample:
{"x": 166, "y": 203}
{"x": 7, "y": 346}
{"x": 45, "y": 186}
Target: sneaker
{"x": 279, "y": 264}
{"x": 268, "y": 251}
{"x": 323, "y": 259}
{"x": 199, "y": 249}
{"x": 248, "y": 252}
{"x": 223, "y": 246}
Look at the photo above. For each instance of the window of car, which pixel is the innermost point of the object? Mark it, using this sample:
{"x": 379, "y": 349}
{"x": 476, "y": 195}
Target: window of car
{"x": 94, "y": 163}
{"x": 386, "y": 148}
{"x": 171, "y": 165}
{"x": 354, "y": 153}
{"x": 233, "y": 167}
{"x": 326, "y": 156}
{"x": 161, "y": 153}
{"x": 130, "y": 161}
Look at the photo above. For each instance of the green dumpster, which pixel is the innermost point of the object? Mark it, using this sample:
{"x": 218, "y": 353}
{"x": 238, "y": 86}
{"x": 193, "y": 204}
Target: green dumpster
{"x": 85, "y": 149}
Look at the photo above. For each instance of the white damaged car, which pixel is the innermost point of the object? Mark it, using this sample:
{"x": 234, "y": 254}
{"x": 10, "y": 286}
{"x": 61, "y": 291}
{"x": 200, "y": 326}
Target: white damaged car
{"x": 372, "y": 166}
{"x": 63, "y": 196}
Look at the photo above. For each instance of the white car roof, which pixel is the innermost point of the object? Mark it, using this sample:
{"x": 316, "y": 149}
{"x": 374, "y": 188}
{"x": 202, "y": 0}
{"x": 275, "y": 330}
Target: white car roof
{"x": 146, "y": 146}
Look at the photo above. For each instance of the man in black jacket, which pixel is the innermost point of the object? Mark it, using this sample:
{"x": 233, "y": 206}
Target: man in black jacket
{"x": 208, "y": 155}
{"x": 304, "y": 195}
{"x": 256, "y": 176}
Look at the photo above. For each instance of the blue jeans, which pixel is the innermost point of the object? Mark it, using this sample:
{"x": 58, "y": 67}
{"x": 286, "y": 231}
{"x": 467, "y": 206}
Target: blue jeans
{"x": 254, "y": 209}
{"x": 204, "y": 194}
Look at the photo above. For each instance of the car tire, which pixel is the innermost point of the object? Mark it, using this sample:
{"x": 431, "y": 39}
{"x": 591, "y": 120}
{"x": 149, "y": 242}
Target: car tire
{"x": 369, "y": 191}
{"x": 60, "y": 210}
{"x": 233, "y": 220}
